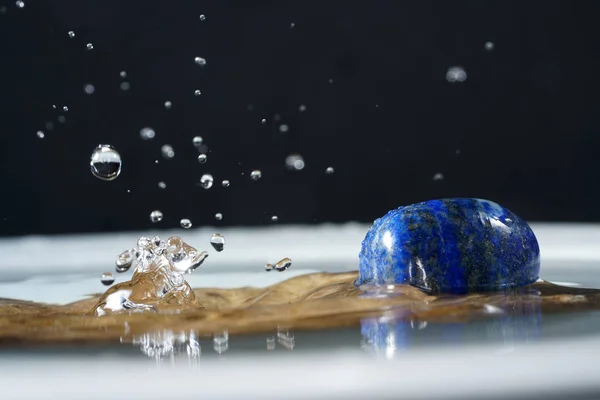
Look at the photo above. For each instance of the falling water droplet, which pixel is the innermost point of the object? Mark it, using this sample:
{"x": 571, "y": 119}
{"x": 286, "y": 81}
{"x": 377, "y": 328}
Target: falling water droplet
{"x": 125, "y": 86}
{"x": 301, "y": 108}
{"x": 206, "y": 181}
{"x": 168, "y": 105}
{"x": 185, "y": 223}
{"x": 283, "y": 264}
{"x": 294, "y": 162}
{"x": 197, "y": 141}
{"x": 105, "y": 163}
{"x": 89, "y": 46}
{"x": 197, "y": 92}
{"x": 40, "y": 134}
{"x": 200, "y": 61}
{"x": 162, "y": 185}
{"x": 255, "y": 175}
{"x": 124, "y": 261}
{"x": 489, "y": 46}
{"x": 283, "y": 128}
{"x": 20, "y": 4}
{"x": 71, "y": 34}
{"x": 225, "y": 183}
{"x": 107, "y": 278}
{"x": 329, "y": 170}
{"x": 89, "y": 89}
{"x": 438, "y": 177}
{"x": 202, "y": 158}
{"x": 221, "y": 342}
{"x": 202, "y": 17}
{"x": 218, "y": 216}
{"x": 456, "y": 74}
{"x": 268, "y": 267}
{"x": 167, "y": 151}
{"x": 274, "y": 218}
{"x": 218, "y": 242}
{"x": 156, "y": 216}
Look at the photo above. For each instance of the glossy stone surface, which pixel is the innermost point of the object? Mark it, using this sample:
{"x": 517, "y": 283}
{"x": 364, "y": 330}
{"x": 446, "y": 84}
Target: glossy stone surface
{"x": 450, "y": 246}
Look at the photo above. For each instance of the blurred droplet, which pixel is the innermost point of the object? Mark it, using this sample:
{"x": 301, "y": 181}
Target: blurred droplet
{"x": 65, "y": 108}
{"x": 206, "y": 181}
{"x": 218, "y": 242}
{"x": 202, "y": 17}
{"x": 330, "y": 80}
{"x": 276, "y": 117}
{"x": 20, "y": 4}
{"x": 197, "y": 141}
{"x": 107, "y": 278}
{"x": 168, "y": 105}
{"x": 283, "y": 264}
{"x": 274, "y": 218}
{"x": 489, "y": 46}
{"x": 125, "y": 86}
{"x": 89, "y": 46}
{"x": 40, "y": 134}
{"x": 255, "y": 175}
{"x": 294, "y": 162}
{"x": 200, "y": 61}
{"x": 202, "y": 158}
{"x": 292, "y": 25}
{"x": 329, "y": 170}
{"x": 456, "y": 74}
{"x": 218, "y": 216}
{"x": 49, "y": 125}
{"x": 162, "y": 185}
{"x": 197, "y": 92}
{"x": 283, "y": 128}
{"x": 438, "y": 177}
{"x": 71, "y": 34}
{"x": 225, "y": 183}
{"x": 301, "y": 108}
{"x": 268, "y": 267}
{"x": 123, "y": 74}
{"x": 167, "y": 151}
{"x": 61, "y": 119}
{"x": 147, "y": 133}
{"x": 221, "y": 342}
{"x": 263, "y": 121}
{"x": 185, "y": 223}
{"x": 3, "y": 9}
{"x": 105, "y": 163}
{"x": 156, "y": 216}
{"x": 89, "y": 89}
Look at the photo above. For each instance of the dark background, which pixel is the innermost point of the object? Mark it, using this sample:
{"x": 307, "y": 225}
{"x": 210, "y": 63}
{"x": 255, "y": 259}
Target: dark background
{"x": 525, "y": 121}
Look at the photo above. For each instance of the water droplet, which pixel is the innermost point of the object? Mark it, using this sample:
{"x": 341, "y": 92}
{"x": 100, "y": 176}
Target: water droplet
{"x": 197, "y": 92}
{"x": 125, "y": 86}
{"x": 221, "y": 342}
{"x": 456, "y": 74}
{"x": 162, "y": 185}
{"x": 105, "y": 163}
{"x": 263, "y": 121}
{"x": 202, "y": 17}
{"x": 283, "y": 264}
{"x": 218, "y": 242}
{"x": 107, "y": 278}
{"x": 225, "y": 183}
{"x": 156, "y": 216}
{"x": 61, "y": 119}
{"x": 206, "y": 181}
{"x": 89, "y": 89}
{"x": 167, "y": 151}
{"x": 65, "y": 108}
{"x": 89, "y": 46}
{"x": 168, "y": 105}
{"x": 200, "y": 61}
{"x": 40, "y": 134}
{"x": 268, "y": 267}
{"x": 438, "y": 177}
{"x": 330, "y": 80}
{"x": 274, "y": 218}
{"x": 276, "y": 117}
{"x": 283, "y": 128}
{"x": 218, "y": 216}
{"x": 457, "y": 152}
{"x": 54, "y": 106}
{"x": 124, "y": 261}
{"x": 489, "y": 46}
{"x": 20, "y": 4}
{"x": 185, "y": 223}
{"x": 292, "y": 25}
{"x": 123, "y": 74}
{"x": 49, "y": 125}
{"x": 294, "y": 162}
{"x": 197, "y": 141}
{"x": 202, "y": 158}
{"x": 301, "y": 108}
{"x": 71, "y": 34}
{"x": 147, "y": 133}
{"x": 255, "y": 175}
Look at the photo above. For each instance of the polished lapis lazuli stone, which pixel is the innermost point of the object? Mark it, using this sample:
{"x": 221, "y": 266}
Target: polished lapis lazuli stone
{"x": 450, "y": 246}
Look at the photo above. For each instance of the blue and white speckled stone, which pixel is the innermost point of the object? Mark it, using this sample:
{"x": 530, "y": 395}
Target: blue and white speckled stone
{"x": 450, "y": 246}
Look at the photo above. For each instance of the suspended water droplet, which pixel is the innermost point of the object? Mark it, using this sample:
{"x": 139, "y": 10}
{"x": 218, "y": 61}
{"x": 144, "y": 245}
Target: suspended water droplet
{"x": 294, "y": 162}
{"x": 206, "y": 181}
{"x": 255, "y": 175}
{"x": 283, "y": 264}
{"x": 218, "y": 216}
{"x": 283, "y": 128}
{"x": 89, "y": 46}
{"x": 168, "y": 105}
{"x": 225, "y": 183}
{"x": 105, "y": 163}
{"x": 40, "y": 134}
{"x": 456, "y": 74}
{"x": 202, "y": 17}
{"x": 125, "y": 86}
{"x": 200, "y": 61}
{"x": 156, "y": 216}
{"x": 124, "y": 261}
{"x": 197, "y": 92}
{"x": 20, "y": 4}
{"x": 89, "y": 89}
{"x": 162, "y": 185}
{"x": 489, "y": 46}
{"x": 71, "y": 34}
{"x": 301, "y": 108}
{"x": 197, "y": 141}
{"x": 438, "y": 177}
{"x": 218, "y": 242}
{"x": 221, "y": 342}
{"x": 167, "y": 151}
{"x": 107, "y": 278}
{"x": 263, "y": 121}
{"x": 329, "y": 170}
{"x": 185, "y": 223}
{"x": 65, "y": 108}
{"x": 202, "y": 158}
{"x": 268, "y": 267}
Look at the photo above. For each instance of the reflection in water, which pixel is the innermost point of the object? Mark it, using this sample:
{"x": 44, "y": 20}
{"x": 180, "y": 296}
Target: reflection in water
{"x": 165, "y": 344}
{"x": 285, "y": 338}
{"x": 509, "y": 322}
{"x": 221, "y": 342}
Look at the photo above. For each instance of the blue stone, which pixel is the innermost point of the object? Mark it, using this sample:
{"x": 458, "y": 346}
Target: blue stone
{"x": 450, "y": 246}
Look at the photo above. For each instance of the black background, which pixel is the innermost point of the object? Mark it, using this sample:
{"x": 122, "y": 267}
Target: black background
{"x": 525, "y": 121}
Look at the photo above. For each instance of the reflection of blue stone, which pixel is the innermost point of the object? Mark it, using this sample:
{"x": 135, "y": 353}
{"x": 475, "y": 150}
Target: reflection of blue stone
{"x": 450, "y": 246}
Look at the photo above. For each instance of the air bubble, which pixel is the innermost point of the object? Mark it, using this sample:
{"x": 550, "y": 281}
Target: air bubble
{"x": 225, "y": 183}
{"x": 200, "y": 61}
{"x": 89, "y": 89}
{"x": 197, "y": 92}
{"x": 218, "y": 216}
{"x": 124, "y": 261}
{"x": 162, "y": 185}
{"x": 107, "y": 278}
{"x": 167, "y": 151}
{"x": 206, "y": 181}
{"x": 283, "y": 128}
{"x": 89, "y": 46}
{"x": 255, "y": 175}
{"x": 283, "y": 264}
{"x": 168, "y": 105}
{"x": 456, "y": 74}
{"x": 329, "y": 170}
{"x": 218, "y": 242}
{"x": 71, "y": 34}
{"x": 438, "y": 177}
{"x": 185, "y": 223}
{"x": 294, "y": 162}
{"x": 105, "y": 163}
{"x": 156, "y": 216}
{"x": 202, "y": 158}
{"x": 40, "y": 134}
